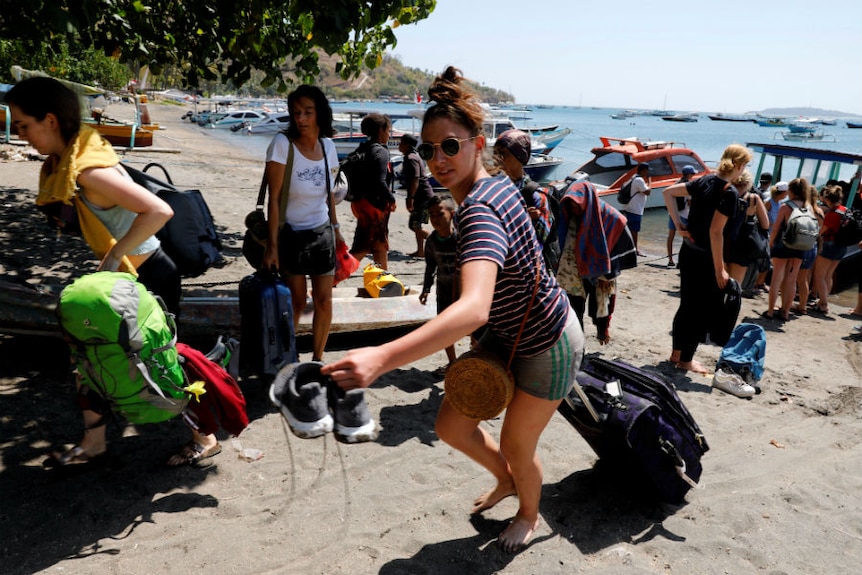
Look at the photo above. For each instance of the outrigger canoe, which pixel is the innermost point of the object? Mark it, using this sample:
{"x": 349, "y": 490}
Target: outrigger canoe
{"x": 27, "y": 310}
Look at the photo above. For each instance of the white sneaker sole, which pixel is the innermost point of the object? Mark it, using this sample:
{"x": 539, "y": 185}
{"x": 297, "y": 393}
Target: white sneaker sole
{"x": 366, "y": 432}
{"x": 303, "y": 429}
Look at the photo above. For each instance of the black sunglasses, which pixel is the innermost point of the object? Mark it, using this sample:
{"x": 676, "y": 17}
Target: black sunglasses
{"x": 450, "y": 147}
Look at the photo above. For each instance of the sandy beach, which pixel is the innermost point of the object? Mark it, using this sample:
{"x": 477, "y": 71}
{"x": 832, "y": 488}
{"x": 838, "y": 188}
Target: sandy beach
{"x": 780, "y": 492}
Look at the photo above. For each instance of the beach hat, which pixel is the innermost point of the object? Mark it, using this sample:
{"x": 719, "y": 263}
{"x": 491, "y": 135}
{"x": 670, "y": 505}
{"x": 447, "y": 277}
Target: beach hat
{"x": 689, "y": 171}
{"x": 518, "y": 144}
{"x": 781, "y": 187}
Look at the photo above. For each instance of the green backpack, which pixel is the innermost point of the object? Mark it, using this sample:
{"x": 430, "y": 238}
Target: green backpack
{"x": 123, "y": 344}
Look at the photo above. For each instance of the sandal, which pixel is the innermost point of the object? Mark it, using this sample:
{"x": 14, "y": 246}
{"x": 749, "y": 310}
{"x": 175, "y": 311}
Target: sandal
{"x": 73, "y": 456}
{"x": 194, "y": 454}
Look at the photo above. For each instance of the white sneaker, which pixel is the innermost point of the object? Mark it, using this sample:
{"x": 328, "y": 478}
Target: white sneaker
{"x": 731, "y": 383}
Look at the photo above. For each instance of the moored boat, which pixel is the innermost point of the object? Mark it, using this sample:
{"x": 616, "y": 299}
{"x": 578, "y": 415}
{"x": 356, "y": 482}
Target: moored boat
{"x": 814, "y": 135}
{"x": 730, "y": 118}
{"x": 615, "y": 162}
{"x": 125, "y": 135}
{"x": 681, "y": 117}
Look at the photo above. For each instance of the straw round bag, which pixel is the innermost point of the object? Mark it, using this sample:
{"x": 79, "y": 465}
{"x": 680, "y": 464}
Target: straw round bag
{"x": 479, "y": 385}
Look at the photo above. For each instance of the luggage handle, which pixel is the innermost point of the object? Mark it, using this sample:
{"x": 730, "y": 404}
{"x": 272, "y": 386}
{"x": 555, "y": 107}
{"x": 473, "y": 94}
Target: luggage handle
{"x": 678, "y": 462}
{"x": 586, "y": 401}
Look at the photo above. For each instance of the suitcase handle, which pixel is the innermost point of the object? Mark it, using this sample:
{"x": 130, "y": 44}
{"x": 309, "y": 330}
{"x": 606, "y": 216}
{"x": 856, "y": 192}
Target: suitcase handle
{"x": 586, "y": 401}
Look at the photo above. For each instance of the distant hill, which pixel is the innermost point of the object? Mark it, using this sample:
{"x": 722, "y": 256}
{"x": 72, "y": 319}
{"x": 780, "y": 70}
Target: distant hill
{"x": 807, "y": 112}
{"x": 391, "y": 79}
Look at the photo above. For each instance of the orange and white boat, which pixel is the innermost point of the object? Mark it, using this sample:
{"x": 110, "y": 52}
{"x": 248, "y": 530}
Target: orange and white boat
{"x": 615, "y": 162}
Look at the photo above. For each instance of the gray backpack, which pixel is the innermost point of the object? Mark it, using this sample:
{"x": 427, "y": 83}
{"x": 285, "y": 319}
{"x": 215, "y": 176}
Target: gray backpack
{"x": 802, "y": 229}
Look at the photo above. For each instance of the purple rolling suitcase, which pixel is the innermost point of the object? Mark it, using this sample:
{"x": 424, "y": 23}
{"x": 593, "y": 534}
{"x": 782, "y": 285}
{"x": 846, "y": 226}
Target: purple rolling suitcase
{"x": 636, "y": 423}
{"x": 266, "y": 316}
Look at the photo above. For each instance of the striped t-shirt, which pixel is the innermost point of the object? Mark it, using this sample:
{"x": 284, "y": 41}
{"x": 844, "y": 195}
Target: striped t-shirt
{"x": 493, "y": 224}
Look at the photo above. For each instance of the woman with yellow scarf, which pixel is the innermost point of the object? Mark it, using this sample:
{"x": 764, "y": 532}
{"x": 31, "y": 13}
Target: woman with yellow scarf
{"x": 117, "y": 217}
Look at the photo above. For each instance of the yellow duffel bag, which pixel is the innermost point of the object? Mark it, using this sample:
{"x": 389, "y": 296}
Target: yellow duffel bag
{"x": 381, "y": 283}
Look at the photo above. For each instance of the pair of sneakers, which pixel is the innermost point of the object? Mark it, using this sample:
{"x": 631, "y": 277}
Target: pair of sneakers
{"x": 308, "y": 400}
{"x": 732, "y": 383}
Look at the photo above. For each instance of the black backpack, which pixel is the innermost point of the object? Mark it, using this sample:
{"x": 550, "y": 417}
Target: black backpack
{"x": 189, "y": 237}
{"x": 624, "y": 196}
{"x": 353, "y": 166}
{"x": 551, "y": 248}
{"x": 850, "y": 230}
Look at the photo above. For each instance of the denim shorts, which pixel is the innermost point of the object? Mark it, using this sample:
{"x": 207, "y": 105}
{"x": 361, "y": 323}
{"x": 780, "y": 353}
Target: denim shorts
{"x": 832, "y": 251}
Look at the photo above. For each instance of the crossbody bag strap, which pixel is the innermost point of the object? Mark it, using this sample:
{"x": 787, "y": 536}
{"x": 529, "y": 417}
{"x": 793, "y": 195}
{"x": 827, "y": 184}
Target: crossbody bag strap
{"x": 328, "y": 184}
{"x": 285, "y": 186}
{"x": 529, "y": 308}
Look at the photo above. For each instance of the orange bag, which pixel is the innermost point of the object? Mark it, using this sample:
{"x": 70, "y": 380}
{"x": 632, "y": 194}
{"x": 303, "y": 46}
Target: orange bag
{"x": 345, "y": 263}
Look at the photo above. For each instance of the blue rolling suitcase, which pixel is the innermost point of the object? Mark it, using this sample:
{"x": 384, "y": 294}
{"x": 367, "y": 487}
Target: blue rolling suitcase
{"x": 637, "y": 425}
{"x": 266, "y": 317}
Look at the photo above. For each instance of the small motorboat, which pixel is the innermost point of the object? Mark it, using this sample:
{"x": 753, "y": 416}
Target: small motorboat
{"x": 237, "y": 117}
{"x": 814, "y": 135}
{"x": 271, "y": 124}
{"x": 615, "y": 162}
{"x": 681, "y": 117}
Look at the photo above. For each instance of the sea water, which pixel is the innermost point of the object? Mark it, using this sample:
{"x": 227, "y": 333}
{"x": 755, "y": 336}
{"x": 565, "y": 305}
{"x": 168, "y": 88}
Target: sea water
{"x": 708, "y": 138}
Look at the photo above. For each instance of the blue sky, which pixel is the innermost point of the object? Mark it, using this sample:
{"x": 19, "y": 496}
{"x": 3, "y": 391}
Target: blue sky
{"x": 729, "y": 56}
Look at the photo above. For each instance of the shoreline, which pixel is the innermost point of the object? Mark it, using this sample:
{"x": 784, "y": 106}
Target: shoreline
{"x": 780, "y": 485}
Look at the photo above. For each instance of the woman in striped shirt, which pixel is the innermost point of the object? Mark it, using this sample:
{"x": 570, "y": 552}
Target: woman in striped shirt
{"x": 499, "y": 270}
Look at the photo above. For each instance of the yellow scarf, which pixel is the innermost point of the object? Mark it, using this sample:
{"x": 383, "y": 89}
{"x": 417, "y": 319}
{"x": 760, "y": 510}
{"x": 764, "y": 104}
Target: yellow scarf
{"x": 58, "y": 182}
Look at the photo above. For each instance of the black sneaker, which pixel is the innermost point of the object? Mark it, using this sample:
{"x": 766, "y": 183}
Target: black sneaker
{"x": 299, "y": 391}
{"x": 353, "y": 422}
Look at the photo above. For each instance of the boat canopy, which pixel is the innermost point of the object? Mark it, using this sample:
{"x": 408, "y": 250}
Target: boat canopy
{"x": 815, "y": 165}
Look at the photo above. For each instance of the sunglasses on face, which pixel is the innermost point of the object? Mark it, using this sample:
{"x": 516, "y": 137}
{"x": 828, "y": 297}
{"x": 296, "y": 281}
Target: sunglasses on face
{"x": 450, "y": 147}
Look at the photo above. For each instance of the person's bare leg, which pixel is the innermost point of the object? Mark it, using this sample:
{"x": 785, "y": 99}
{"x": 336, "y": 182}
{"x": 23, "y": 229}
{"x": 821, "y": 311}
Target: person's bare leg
{"x": 694, "y": 366}
{"x": 779, "y": 267}
{"x": 321, "y": 296}
{"x": 298, "y": 296}
{"x": 788, "y": 291}
{"x": 381, "y": 256}
{"x": 526, "y": 418}
{"x": 670, "y": 236}
{"x": 465, "y": 435}
{"x": 93, "y": 443}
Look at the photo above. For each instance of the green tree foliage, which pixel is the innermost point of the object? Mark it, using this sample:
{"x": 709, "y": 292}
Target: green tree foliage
{"x": 84, "y": 65}
{"x": 222, "y": 40}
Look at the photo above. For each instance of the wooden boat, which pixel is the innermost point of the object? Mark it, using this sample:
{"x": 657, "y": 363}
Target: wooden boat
{"x": 615, "y": 162}
{"x": 28, "y": 310}
{"x": 120, "y": 134}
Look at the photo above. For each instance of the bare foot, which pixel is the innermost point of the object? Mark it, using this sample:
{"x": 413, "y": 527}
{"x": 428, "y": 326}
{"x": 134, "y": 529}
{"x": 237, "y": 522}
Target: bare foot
{"x": 493, "y": 497}
{"x": 674, "y": 357}
{"x": 517, "y": 534}
{"x": 694, "y": 366}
